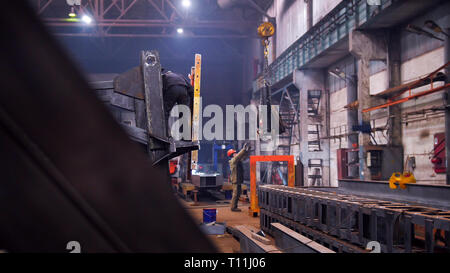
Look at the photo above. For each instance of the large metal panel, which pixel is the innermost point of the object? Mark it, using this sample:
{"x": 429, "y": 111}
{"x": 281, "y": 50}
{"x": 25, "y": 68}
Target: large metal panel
{"x": 69, "y": 172}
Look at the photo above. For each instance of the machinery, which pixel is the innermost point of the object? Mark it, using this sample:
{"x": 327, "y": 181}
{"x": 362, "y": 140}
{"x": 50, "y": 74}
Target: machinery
{"x": 438, "y": 160}
{"x": 207, "y": 180}
{"x": 382, "y": 161}
{"x": 136, "y": 102}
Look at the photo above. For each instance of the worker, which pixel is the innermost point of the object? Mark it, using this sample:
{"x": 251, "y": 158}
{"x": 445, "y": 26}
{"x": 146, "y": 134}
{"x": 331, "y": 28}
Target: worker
{"x": 237, "y": 173}
{"x": 176, "y": 90}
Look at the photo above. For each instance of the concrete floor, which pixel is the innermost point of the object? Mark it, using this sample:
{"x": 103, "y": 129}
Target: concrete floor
{"x": 225, "y": 243}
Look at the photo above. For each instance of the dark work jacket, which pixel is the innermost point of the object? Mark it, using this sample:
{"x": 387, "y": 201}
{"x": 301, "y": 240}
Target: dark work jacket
{"x": 170, "y": 79}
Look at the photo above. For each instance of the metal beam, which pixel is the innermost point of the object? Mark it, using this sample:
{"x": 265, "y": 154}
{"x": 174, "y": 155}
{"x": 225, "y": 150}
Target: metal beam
{"x": 124, "y": 35}
{"x": 260, "y": 10}
{"x": 109, "y": 15}
{"x": 41, "y": 9}
{"x": 123, "y": 12}
{"x": 160, "y": 11}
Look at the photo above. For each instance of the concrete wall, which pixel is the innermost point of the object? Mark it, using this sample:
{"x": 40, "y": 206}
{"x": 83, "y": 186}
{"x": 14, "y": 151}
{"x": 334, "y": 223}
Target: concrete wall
{"x": 417, "y": 135}
{"x": 338, "y": 120}
{"x": 291, "y": 19}
{"x": 420, "y": 56}
{"x": 419, "y": 129}
{"x": 313, "y": 80}
{"x": 291, "y": 22}
{"x": 322, "y": 7}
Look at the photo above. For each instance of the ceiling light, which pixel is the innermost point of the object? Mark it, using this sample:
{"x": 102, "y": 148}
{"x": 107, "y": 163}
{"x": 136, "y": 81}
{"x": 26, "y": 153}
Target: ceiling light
{"x": 86, "y": 19}
{"x": 418, "y": 30}
{"x": 435, "y": 27}
{"x": 180, "y": 30}
{"x": 186, "y": 3}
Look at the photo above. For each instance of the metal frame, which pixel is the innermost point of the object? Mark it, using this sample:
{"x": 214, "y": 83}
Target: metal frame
{"x": 352, "y": 219}
{"x": 254, "y": 208}
{"x": 115, "y": 18}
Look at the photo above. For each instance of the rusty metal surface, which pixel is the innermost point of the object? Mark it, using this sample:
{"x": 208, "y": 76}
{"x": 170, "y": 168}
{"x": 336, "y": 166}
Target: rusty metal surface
{"x": 69, "y": 172}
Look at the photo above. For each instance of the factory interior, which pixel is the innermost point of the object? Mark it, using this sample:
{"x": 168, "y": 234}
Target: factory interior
{"x": 225, "y": 126}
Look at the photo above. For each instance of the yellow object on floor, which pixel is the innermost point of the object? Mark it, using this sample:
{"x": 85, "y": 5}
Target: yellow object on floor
{"x": 401, "y": 179}
{"x": 227, "y": 186}
{"x": 186, "y": 187}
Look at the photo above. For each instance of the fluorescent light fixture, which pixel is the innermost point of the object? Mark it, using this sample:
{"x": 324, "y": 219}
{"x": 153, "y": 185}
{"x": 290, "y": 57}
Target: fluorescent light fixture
{"x": 186, "y": 3}
{"x": 435, "y": 27}
{"x": 180, "y": 30}
{"x": 337, "y": 73}
{"x": 87, "y": 19}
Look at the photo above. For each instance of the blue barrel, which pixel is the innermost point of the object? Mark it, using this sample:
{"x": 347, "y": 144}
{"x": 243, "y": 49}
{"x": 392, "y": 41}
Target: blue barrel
{"x": 228, "y": 195}
{"x": 209, "y": 215}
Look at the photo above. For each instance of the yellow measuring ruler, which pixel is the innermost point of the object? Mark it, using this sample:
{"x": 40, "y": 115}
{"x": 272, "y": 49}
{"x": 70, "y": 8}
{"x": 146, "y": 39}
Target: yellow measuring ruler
{"x": 196, "y": 108}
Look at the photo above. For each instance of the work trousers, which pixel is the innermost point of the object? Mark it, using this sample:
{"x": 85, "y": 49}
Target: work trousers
{"x": 237, "y": 190}
{"x": 176, "y": 94}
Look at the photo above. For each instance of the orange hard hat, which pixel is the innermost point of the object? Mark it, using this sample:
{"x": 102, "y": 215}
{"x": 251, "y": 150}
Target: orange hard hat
{"x": 230, "y": 152}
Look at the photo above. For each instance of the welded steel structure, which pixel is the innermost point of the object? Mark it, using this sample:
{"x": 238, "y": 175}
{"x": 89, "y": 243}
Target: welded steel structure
{"x": 346, "y": 223}
{"x": 151, "y": 18}
{"x": 135, "y": 99}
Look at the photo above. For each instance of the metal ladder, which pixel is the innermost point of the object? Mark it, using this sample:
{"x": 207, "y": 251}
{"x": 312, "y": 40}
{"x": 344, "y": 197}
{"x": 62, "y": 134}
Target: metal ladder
{"x": 314, "y": 102}
{"x": 290, "y": 114}
{"x": 314, "y": 145}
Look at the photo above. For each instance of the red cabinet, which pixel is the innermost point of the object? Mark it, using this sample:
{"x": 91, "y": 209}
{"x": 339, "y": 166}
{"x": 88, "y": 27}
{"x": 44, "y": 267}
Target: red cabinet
{"x": 342, "y": 163}
{"x": 438, "y": 159}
